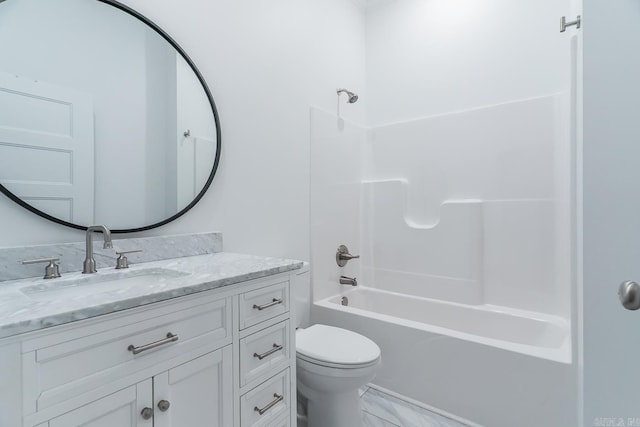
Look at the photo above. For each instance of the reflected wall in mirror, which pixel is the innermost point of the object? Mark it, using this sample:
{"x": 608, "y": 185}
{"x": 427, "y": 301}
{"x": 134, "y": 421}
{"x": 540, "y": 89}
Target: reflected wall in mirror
{"x": 104, "y": 118}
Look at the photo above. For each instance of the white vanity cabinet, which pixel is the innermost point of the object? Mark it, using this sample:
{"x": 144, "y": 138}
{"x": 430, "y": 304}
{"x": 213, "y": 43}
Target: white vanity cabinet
{"x": 218, "y": 358}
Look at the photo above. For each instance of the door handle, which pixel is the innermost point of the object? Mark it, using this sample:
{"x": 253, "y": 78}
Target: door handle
{"x": 629, "y": 294}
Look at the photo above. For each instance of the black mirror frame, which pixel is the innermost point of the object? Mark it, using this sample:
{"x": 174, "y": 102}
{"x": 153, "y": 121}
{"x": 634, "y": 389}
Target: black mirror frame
{"x": 214, "y": 110}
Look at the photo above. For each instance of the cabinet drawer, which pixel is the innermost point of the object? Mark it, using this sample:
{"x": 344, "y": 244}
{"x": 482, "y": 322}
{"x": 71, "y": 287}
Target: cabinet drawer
{"x": 262, "y": 353}
{"x": 263, "y": 304}
{"x": 267, "y": 403}
{"x": 78, "y": 364}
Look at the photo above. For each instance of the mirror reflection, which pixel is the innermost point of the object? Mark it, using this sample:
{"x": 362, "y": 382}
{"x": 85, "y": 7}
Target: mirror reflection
{"x": 103, "y": 120}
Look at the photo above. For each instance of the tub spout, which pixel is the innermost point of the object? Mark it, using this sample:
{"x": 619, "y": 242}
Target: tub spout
{"x": 344, "y": 280}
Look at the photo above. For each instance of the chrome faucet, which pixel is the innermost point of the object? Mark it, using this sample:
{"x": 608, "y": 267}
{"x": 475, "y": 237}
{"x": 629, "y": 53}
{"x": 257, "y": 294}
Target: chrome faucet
{"x": 344, "y": 280}
{"x": 89, "y": 265}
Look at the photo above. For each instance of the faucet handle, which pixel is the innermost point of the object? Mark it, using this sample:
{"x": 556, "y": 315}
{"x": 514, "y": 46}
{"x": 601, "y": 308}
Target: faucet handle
{"x": 122, "y": 261}
{"x": 343, "y": 256}
{"x": 51, "y": 271}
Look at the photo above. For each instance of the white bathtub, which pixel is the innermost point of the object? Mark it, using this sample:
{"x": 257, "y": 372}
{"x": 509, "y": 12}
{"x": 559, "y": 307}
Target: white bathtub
{"x": 490, "y": 365}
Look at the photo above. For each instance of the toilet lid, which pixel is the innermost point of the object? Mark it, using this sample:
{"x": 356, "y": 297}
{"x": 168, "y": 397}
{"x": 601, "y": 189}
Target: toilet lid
{"x": 335, "y": 345}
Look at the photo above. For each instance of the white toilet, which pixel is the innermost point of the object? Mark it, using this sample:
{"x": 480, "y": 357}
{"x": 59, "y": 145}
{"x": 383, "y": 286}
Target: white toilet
{"x": 332, "y": 364}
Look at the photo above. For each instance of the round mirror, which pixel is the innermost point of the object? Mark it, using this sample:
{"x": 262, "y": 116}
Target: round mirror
{"x": 105, "y": 119}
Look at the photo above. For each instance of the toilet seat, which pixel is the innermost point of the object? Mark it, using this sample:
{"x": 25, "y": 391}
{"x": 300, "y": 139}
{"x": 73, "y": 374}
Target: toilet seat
{"x": 323, "y": 364}
{"x": 336, "y": 348}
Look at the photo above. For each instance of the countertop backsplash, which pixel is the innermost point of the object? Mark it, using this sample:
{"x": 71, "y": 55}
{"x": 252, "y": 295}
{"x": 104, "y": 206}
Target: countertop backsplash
{"x": 72, "y": 254}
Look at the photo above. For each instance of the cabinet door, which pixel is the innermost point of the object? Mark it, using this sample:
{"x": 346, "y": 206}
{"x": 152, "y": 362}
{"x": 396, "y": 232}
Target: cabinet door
{"x": 122, "y": 409}
{"x": 199, "y": 393}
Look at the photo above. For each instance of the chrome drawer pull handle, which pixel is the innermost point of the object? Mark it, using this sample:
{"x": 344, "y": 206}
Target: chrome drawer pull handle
{"x": 275, "y": 348}
{"x": 170, "y": 338}
{"x": 274, "y": 402}
{"x": 271, "y": 304}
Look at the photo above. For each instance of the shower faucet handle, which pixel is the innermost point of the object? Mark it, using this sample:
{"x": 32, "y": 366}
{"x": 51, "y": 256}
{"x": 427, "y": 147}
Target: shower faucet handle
{"x": 343, "y": 256}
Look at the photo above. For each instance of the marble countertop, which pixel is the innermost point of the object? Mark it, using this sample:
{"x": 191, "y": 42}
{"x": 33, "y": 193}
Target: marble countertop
{"x": 32, "y": 304}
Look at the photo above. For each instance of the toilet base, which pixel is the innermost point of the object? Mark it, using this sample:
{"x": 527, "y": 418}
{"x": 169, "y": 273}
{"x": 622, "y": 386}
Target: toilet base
{"x": 329, "y": 380}
{"x": 334, "y": 410}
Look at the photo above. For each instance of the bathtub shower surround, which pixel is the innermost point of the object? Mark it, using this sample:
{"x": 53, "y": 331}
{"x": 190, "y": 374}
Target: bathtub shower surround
{"x": 469, "y": 207}
{"x": 463, "y": 222}
{"x": 458, "y": 192}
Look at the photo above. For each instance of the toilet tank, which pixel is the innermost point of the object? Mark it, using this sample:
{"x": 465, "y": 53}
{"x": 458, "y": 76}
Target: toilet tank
{"x": 301, "y": 296}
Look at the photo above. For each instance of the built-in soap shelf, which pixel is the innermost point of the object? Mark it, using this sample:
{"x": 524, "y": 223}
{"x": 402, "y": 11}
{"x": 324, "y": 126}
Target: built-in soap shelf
{"x": 399, "y": 190}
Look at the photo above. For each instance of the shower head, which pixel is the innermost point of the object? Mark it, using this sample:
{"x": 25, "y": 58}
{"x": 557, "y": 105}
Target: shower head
{"x": 352, "y": 96}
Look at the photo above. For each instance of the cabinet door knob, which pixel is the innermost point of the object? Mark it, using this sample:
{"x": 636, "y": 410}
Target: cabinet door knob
{"x": 163, "y": 405}
{"x": 146, "y": 413}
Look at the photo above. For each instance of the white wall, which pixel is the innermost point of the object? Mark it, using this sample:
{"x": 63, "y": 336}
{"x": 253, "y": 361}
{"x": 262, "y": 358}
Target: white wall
{"x": 427, "y": 57}
{"x": 266, "y": 63}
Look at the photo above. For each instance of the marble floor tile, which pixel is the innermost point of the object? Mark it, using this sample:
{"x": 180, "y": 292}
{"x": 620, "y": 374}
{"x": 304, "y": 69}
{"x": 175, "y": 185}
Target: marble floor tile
{"x": 382, "y": 410}
{"x": 362, "y": 390}
{"x": 369, "y": 420}
{"x": 400, "y": 413}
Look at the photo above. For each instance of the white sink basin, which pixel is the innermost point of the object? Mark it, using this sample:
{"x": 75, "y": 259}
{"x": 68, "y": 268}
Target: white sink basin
{"x": 99, "y": 283}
